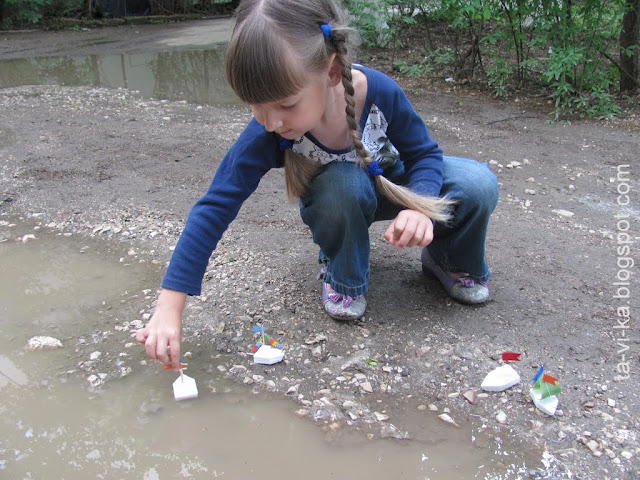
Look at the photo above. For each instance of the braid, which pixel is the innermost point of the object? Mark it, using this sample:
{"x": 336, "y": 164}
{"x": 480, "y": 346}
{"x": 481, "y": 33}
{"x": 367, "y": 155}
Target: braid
{"x": 434, "y": 208}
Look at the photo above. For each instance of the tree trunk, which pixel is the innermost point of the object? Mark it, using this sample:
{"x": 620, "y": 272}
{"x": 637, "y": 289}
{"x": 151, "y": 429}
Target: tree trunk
{"x": 1, "y": 11}
{"x": 630, "y": 36}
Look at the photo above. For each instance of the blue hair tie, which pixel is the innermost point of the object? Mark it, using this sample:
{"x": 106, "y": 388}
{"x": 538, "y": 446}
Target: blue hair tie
{"x": 326, "y": 30}
{"x": 374, "y": 168}
{"x": 285, "y": 144}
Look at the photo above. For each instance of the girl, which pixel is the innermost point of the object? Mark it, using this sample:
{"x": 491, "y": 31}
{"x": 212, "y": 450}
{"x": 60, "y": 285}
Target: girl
{"x": 354, "y": 151}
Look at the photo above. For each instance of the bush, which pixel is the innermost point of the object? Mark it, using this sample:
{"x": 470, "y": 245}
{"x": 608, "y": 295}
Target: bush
{"x": 567, "y": 48}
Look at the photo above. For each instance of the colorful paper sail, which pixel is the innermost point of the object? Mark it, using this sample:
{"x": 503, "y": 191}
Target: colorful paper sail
{"x": 511, "y": 357}
{"x": 546, "y": 389}
{"x": 538, "y": 374}
{"x": 549, "y": 379}
{"x": 170, "y": 367}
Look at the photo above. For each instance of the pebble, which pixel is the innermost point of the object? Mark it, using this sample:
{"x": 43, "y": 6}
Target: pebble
{"x": 563, "y": 213}
{"x": 366, "y": 387}
{"x": 381, "y": 417}
{"x": 316, "y": 339}
{"x": 470, "y": 395}
{"x": 501, "y": 417}
{"x": 42, "y": 341}
{"x": 446, "y": 418}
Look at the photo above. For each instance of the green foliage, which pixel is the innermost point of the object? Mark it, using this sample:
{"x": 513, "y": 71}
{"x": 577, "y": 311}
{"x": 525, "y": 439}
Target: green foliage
{"x": 29, "y": 11}
{"x": 17, "y": 13}
{"x": 567, "y": 48}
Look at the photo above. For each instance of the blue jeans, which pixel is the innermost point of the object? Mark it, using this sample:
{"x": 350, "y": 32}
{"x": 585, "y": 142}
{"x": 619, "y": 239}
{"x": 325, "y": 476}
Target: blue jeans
{"x": 342, "y": 203}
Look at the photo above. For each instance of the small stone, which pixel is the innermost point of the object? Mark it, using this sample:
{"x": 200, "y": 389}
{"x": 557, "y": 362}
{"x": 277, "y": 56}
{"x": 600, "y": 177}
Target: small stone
{"x": 470, "y": 395}
{"x": 95, "y": 355}
{"x": 626, "y": 454}
{"x": 366, "y": 387}
{"x": 136, "y": 324}
{"x": 42, "y": 341}
{"x": 446, "y": 418}
{"x": 589, "y": 405}
{"x": 563, "y": 213}
{"x": 593, "y": 446}
{"x": 316, "y": 339}
{"x": 422, "y": 407}
{"x": 611, "y": 402}
{"x": 94, "y": 380}
{"x": 29, "y": 236}
{"x": 433, "y": 408}
{"x": 501, "y": 417}
{"x": 381, "y": 417}
{"x": 293, "y": 390}
{"x": 536, "y": 424}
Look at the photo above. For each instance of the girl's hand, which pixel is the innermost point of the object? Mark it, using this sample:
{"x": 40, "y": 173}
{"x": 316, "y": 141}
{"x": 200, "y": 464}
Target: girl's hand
{"x": 410, "y": 229}
{"x": 164, "y": 330}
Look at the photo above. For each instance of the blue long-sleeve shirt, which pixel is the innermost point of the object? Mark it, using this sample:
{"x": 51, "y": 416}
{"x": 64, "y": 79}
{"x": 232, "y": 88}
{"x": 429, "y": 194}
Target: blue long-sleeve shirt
{"x": 387, "y": 111}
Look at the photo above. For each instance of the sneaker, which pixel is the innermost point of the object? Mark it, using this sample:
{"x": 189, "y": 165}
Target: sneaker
{"x": 342, "y": 307}
{"x": 463, "y": 289}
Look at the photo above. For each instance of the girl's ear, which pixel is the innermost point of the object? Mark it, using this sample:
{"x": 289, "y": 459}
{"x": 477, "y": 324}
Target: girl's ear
{"x": 335, "y": 70}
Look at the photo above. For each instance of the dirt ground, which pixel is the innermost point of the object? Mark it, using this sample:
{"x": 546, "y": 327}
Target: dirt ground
{"x": 112, "y": 165}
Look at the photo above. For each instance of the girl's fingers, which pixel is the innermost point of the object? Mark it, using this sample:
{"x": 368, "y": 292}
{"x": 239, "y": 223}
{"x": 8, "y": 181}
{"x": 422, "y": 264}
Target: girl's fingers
{"x": 174, "y": 352}
{"x": 161, "y": 350}
{"x": 150, "y": 346}
{"x": 141, "y": 335}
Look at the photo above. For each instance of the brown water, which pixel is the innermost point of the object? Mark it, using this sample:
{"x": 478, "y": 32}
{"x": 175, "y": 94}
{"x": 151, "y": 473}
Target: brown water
{"x": 55, "y": 426}
{"x": 196, "y": 76}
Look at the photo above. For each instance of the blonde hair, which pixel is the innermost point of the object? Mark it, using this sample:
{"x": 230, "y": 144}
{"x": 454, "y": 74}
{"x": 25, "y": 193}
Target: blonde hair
{"x": 260, "y": 69}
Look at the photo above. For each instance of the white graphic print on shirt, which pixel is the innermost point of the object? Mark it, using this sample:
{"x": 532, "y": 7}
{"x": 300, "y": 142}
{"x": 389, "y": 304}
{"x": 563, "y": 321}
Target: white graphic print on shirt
{"x": 374, "y": 137}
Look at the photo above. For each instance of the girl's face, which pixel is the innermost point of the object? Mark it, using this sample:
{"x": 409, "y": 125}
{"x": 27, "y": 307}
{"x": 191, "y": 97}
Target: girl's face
{"x": 293, "y": 116}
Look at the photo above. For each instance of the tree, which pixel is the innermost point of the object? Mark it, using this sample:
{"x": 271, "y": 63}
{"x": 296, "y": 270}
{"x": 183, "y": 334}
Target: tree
{"x": 629, "y": 41}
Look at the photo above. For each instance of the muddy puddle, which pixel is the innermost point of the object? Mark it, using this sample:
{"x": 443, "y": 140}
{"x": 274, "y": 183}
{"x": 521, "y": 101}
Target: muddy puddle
{"x": 128, "y": 425}
{"x": 195, "y": 75}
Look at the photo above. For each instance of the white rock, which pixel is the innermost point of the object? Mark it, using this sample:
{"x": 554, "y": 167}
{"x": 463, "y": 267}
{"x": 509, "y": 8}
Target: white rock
{"x": 563, "y": 213}
{"x": 29, "y": 236}
{"x": 95, "y": 355}
{"x": 42, "y": 341}
{"x": 366, "y": 387}
{"x": 381, "y": 417}
{"x": 446, "y": 418}
{"x": 501, "y": 417}
{"x": 626, "y": 454}
{"x": 500, "y": 379}
{"x": 137, "y": 324}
